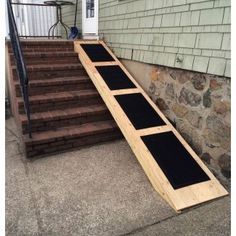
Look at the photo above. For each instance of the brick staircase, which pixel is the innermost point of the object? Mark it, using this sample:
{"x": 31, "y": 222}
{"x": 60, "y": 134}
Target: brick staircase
{"x": 67, "y": 112}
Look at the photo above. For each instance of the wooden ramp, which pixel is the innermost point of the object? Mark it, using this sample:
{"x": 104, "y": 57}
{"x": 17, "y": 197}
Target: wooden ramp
{"x": 173, "y": 168}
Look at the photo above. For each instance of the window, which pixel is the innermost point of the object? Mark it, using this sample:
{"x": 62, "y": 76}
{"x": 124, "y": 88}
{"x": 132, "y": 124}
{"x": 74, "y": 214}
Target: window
{"x": 89, "y": 8}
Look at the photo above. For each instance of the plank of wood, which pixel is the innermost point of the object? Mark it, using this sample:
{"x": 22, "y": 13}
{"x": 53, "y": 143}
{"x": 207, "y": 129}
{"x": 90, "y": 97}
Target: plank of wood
{"x": 105, "y": 63}
{"x": 154, "y": 130}
{"x": 180, "y": 198}
{"x": 125, "y": 91}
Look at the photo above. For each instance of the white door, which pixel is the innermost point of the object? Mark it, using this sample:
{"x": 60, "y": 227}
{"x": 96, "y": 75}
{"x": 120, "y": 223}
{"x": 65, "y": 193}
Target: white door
{"x": 90, "y": 19}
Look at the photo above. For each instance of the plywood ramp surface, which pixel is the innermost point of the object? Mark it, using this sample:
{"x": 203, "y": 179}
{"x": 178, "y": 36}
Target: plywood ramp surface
{"x": 173, "y": 168}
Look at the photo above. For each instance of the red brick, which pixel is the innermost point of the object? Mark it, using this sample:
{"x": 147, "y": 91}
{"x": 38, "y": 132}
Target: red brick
{"x": 66, "y": 110}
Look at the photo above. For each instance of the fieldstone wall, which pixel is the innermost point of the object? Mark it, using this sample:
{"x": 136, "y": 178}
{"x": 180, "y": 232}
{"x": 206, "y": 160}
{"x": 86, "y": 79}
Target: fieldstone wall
{"x": 199, "y": 107}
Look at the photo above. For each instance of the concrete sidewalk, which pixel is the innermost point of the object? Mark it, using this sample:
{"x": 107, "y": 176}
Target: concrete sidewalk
{"x": 99, "y": 190}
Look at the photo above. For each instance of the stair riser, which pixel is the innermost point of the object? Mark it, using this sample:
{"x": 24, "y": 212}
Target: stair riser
{"x": 38, "y": 90}
{"x": 44, "y": 43}
{"x": 51, "y": 74}
{"x": 41, "y": 60}
{"x": 54, "y": 68}
{"x": 50, "y": 125}
{"x": 61, "y": 144}
{"x": 63, "y": 104}
{"x": 45, "y": 49}
{"x": 49, "y": 49}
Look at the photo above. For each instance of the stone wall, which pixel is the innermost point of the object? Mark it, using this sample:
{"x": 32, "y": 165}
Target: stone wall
{"x": 197, "y": 104}
{"x": 180, "y": 36}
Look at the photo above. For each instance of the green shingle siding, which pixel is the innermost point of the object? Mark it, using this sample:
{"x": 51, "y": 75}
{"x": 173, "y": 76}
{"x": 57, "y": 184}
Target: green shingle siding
{"x": 160, "y": 30}
{"x": 198, "y": 30}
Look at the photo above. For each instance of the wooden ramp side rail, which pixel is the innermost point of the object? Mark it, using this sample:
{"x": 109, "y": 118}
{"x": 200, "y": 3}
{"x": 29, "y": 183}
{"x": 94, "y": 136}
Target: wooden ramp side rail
{"x": 180, "y": 198}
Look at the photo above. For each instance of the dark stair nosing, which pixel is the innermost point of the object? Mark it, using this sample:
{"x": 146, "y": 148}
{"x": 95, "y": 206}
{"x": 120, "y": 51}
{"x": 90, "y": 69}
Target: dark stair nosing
{"x": 85, "y": 121}
{"x": 70, "y": 132}
{"x": 52, "y": 67}
{"x": 43, "y": 55}
{"x": 47, "y": 42}
{"x": 57, "y": 81}
{"x": 62, "y": 96}
{"x": 64, "y": 114}
{"x": 34, "y": 49}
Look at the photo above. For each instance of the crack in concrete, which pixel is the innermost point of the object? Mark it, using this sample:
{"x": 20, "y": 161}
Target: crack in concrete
{"x": 37, "y": 212}
{"x": 140, "y": 229}
{"x": 19, "y": 149}
{"x": 26, "y": 170}
{"x": 12, "y": 132}
{"x": 184, "y": 212}
{"x": 33, "y": 198}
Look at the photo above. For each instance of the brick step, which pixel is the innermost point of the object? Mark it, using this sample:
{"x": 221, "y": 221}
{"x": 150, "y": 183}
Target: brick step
{"x": 52, "y": 71}
{"x": 52, "y": 120}
{"x": 37, "y": 87}
{"x": 32, "y": 58}
{"x": 65, "y": 138}
{"x": 46, "y": 43}
{"x": 62, "y": 100}
{"x": 48, "y": 49}
{"x": 52, "y": 67}
{"x": 45, "y": 46}
{"x": 45, "y": 49}
{"x": 66, "y": 110}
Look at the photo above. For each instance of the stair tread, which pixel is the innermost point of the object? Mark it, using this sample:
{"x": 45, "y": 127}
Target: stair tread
{"x": 46, "y": 42}
{"x": 47, "y": 66}
{"x": 60, "y": 95}
{"x": 66, "y": 110}
{"x": 48, "y": 54}
{"x": 57, "y": 80}
{"x": 71, "y": 131}
{"x": 64, "y": 114}
{"x": 47, "y": 49}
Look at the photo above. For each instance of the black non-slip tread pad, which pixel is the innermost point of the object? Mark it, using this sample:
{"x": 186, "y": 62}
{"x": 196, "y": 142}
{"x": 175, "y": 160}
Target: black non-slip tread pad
{"x": 96, "y": 52}
{"x": 175, "y": 161}
{"x": 115, "y": 77}
{"x": 140, "y": 113}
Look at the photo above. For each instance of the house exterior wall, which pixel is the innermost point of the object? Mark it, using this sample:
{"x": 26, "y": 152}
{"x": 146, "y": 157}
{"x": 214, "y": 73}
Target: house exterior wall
{"x": 68, "y": 15}
{"x": 34, "y": 20}
{"x": 179, "y": 52}
{"x": 166, "y": 32}
{"x": 197, "y": 104}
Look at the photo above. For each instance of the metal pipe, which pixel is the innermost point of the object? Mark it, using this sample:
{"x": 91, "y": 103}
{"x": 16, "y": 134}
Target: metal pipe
{"x": 20, "y": 63}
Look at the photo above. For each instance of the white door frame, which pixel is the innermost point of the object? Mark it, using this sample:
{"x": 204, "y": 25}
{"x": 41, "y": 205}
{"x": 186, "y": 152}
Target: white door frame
{"x": 90, "y": 24}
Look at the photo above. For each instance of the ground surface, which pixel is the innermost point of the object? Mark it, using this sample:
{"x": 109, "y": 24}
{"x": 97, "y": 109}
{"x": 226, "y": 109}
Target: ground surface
{"x": 100, "y": 190}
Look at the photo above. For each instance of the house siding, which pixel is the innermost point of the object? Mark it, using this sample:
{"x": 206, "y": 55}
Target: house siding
{"x": 159, "y": 32}
{"x": 179, "y": 52}
{"x": 68, "y": 15}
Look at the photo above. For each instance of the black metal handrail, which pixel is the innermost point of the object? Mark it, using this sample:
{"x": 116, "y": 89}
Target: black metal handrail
{"x": 20, "y": 63}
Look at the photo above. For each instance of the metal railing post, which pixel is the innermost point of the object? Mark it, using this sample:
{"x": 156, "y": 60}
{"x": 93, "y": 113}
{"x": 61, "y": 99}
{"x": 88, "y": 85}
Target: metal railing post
{"x": 20, "y": 63}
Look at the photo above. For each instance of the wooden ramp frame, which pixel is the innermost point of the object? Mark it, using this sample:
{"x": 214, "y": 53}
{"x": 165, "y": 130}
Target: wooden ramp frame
{"x": 178, "y": 198}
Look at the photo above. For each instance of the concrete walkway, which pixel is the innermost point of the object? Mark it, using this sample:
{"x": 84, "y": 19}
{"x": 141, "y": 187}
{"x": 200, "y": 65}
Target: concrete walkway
{"x": 99, "y": 190}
